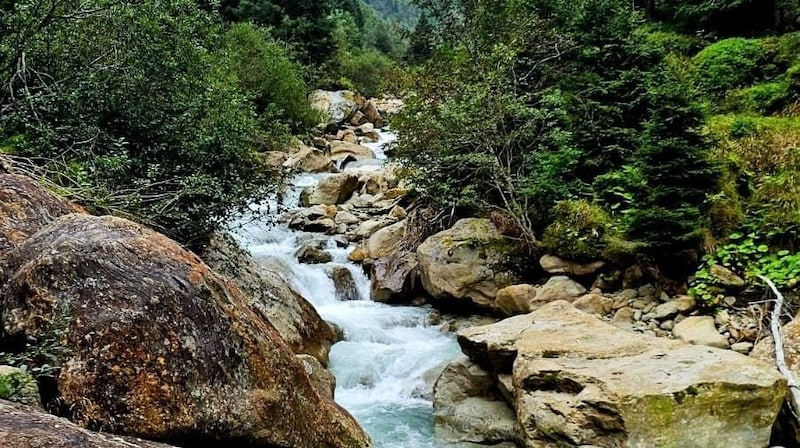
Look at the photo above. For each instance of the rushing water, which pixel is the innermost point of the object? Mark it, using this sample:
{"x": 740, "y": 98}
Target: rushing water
{"x": 388, "y": 361}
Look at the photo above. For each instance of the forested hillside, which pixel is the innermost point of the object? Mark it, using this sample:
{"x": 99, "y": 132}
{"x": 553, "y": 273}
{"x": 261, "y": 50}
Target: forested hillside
{"x": 403, "y": 12}
{"x": 660, "y": 132}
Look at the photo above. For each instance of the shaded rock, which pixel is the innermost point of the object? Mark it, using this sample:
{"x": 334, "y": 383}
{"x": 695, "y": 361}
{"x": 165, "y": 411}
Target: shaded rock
{"x": 726, "y": 278}
{"x": 332, "y": 190}
{"x": 394, "y": 277}
{"x": 337, "y": 106}
{"x": 579, "y": 381}
{"x": 28, "y": 427}
{"x": 310, "y": 160}
{"x": 342, "y": 150}
{"x": 556, "y": 265}
{"x": 557, "y": 288}
{"x": 344, "y": 283}
{"x": 26, "y": 207}
{"x": 700, "y": 330}
{"x": 18, "y": 386}
{"x": 515, "y": 299}
{"x": 344, "y": 217}
{"x": 466, "y": 261}
{"x": 271, "y": 297}
{"x": 184, "y": 353}
{"x": 371, "y": 113}
{"x": 320, "y": 377}
{"x": 467, "y": 407}
{"x": 311, "y": 254}
{"x": 594, "y": 304}
{"x": 386, "y": 240}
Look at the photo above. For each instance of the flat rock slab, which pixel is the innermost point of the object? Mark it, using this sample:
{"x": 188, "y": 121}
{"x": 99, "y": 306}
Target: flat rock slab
{"x": 580, "y": 381}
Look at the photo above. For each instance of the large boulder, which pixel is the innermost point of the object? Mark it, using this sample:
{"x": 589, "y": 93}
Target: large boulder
{"x": 342, "y": 150}
{"x": 26, "y": 207}
{"x": 467, "y": 261}
{"x": 336, "y": 106}
{"x": 27, "y": 427}
{"x": 578, "y": 381}
{"x": 334, "y": 189}
{"x": 468, "y": 407}
{"x": 151, "y": 343}
{"x": 386, "y": 240}
{"x": 271, "y": 297}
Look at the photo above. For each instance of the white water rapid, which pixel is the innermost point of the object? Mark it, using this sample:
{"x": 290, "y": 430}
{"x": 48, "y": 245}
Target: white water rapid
{"x": 388, "y": 361}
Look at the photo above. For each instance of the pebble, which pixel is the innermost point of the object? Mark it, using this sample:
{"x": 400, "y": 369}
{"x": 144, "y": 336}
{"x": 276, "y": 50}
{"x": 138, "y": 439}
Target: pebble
{"x": 722, "y": 317}
{"x": 638, "y": 304}
{"x": 628, "y": 294}
{"x": 649, "y": 307}
{"x": 620, "y": 302}
{"x": 730, "y": 301}
{"x": 667, "y": 325}
{"x": 742, "y": 347}
{"x": 637, "y": 315}
{"x": 647, "y": 291}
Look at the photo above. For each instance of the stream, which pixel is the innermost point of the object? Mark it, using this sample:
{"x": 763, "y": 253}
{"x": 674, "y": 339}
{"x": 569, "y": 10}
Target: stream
{"x": 386, "y": 365}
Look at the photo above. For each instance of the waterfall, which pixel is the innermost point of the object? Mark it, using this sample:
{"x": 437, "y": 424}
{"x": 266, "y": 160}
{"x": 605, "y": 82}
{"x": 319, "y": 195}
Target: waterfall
{"x": 390, "y": 356}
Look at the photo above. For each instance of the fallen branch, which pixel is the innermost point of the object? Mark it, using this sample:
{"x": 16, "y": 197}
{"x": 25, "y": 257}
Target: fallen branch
{"x": 777, "y": 337}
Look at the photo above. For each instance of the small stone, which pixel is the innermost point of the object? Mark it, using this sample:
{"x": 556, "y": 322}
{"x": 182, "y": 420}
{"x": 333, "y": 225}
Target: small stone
{"x": 700, "y": 330}
{"x": 664, "y": 297}
{"x": 637, "y": 315}
{"x": 628, "y": 294}
{"x": 638, "y": 304}
{"x": 620, "y": 302}
{"x": 729, "y": 300}
{"x": 666, "y": 310}
{"x": 594, "y": 304}
{"x": 742, "y": 347}
{"x": 647, "y": 291}
{"x": 722, "y": 317}
{"x": 649, "y": 307}
{"x": 667, "y": 325}
{"x": 685, "y": 303}
{"x": 623, "y": 318}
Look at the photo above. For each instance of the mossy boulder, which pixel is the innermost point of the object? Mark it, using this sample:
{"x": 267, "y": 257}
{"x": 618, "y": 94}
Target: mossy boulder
{"x": 156, "y": 345}
{"x": 469, "y": 261}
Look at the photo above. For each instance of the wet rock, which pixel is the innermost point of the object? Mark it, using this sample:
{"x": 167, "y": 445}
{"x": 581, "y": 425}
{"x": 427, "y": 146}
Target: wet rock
{"x": 344, "y": 283}
{"x": 700, "y": 330}
{"x": 320, "y": 377}
{"x": 337, "y": 106}
{"x": 271, "y": 297}
{"x": 332, "y": 190}
{"x": 311, "y": 254}
{"x": 28, "y": 427}
{"x": 466, "y": 262}
{"x": 394, "y": 277}
{"x": 343, "y": 150}
{"x": 26, "y": 207}
{"x": 153, "y": 344}
{"x": 18, "y": 386}
{"x": 515, "y": 299}
{"x": 556, "y": 265}
{"x": 467, "y": 406}
{"x": 583, "y": 382}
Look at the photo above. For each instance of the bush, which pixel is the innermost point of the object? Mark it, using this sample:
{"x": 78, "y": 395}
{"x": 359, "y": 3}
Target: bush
{"x": 158, "y": 129}
{"x": 579, "y": 231}
{"x": 761, "y": 98}
{"x": 364, "y": 71}
{"x": 728, "y": 64}
{"x": 274, "y": 83}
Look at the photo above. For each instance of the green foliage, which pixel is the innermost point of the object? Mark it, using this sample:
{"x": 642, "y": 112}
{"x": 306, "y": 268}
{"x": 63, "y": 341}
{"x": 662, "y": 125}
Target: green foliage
{"x": 19, "y": 387}
{"x": 365, "y": 71}
{"x": 748, "y": 256}
{"x": 578, "y": 232}
{"x": 132, "y": 99}
{"x": 400, "y": 11}
{"x": 728, "y": 64}
{"x": 762, "y": 98}
{"x": 272, "y": 81}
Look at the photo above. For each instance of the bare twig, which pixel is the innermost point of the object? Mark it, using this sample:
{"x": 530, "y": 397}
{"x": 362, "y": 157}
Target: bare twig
{"x": 780, "y": 356}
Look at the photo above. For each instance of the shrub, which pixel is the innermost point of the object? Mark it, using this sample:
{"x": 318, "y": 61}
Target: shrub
{"x": 364, "y": 71}
{"x": 274, "y": 83}
{"x": 578, "y": 231}
{"x": 761, "y": 98}
{"x": 728, "y": 64}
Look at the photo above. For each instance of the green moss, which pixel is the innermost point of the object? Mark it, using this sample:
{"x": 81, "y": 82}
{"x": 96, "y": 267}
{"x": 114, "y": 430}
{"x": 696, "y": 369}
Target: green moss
{"x": 18, "y": 386}
{"x": 578, "y": 232}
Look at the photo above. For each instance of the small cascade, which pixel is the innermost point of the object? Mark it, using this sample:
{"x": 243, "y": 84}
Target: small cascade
{"x": 391, "y": 355}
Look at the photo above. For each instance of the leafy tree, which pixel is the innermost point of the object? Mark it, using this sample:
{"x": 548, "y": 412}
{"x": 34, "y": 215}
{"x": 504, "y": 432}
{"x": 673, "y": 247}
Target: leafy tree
{"x": 129, "y": 109}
